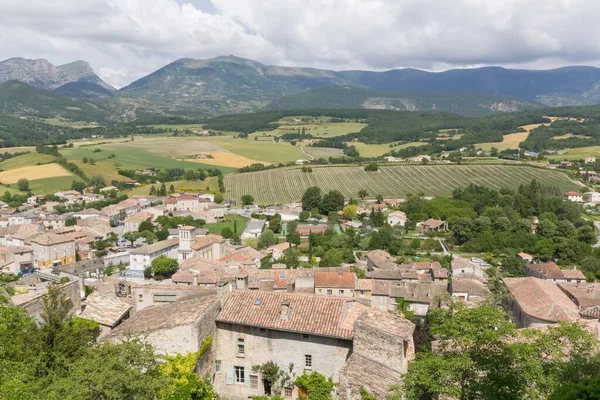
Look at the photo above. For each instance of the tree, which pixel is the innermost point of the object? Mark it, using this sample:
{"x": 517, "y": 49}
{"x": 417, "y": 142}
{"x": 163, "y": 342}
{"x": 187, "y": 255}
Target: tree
{"x": 311, "y": 198}
{"x": 481, "y": 355}
{"x": 362, "y": 194}
{"x": 71, "y": 221}
{"x": 379, "y": 198}
{"x": 372, "y": 167}
{"x": 163, "y": 190}
{"x": 304, "y": 215}
{"x": 92, "y": 161}
{"x": 97, "y": 181}
{"x": 171, "y": 189}
{"x": 78, "y": 185}
{"x": 219, "y": 199}
{"x": 332, "y": 201}
{"x": 275, "y": 223}
{"x": 247, "y": 199}
{"x": 266, "y": 239}
{"x": 85, "y": 160}
{"x": 315, "y": 385}
{"x": 146, "y": 226}
{"x": 350, "y": 212}
{"x": 587, "y": 389}
{"x": 226, "y": 232}
{"x": 152, "y": 191}
{"x": 164, "y": 266}
{"x": 23, "y": 184}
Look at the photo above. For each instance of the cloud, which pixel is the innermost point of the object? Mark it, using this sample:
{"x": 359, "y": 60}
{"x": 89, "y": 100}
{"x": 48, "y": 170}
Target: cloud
{"x": 127, "y": 39}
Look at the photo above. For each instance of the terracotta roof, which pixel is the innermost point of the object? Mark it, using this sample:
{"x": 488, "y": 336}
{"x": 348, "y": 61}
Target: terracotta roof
{"x": 207, "y": 240}
{"x": 471, "y": 286}
{"x": 433, "y": 223}
{"x": 573, "y": 194}
{"x": 583, "y": 294}
{"x": 48, "y": 239}
{"x": 397, "y": 214}
{"x": 281, "y": 246}
{"x": 553, "y": 271}
{"x": 104, "y": 310}
{"x": 317, "y": 315}
{"x": 573, "y": 274}
{"x": 364, "y": 284}
{"x": 139, "y": 217}
{"x": 542, "y": 299}
{"x": 393, "y": 275}
{"x": 422, "y": 292}
{"x": 246, "y": 255}
{"x": 591, "y": 312}
{"x": 343, "y": 280}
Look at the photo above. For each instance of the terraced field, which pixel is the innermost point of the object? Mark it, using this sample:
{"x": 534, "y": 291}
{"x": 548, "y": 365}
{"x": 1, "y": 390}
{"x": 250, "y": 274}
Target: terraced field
{"x": 284, "y": 185}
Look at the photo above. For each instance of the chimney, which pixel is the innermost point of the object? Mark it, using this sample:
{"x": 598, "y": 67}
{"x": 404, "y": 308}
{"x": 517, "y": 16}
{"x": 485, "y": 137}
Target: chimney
{"x": 195, "y": 283}
{"x": 286, "y": 311}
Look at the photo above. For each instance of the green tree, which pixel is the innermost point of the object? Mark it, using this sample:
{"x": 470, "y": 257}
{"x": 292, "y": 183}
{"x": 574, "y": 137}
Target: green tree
{"x": 304, "y": 215}
{"x": 266, "y": 239}
{"x": 247, "y": 200}
{"x": 219, "y": 199}
{"x": 71, "y": 221}
{"x": 23, "y": 184}
{"x": 146, "y": 226}
{"x": 362, "y": 194}
{"x": 587, "y": 389}
{"x": 350, "y": 212}
{"x": 275, "y": 223}
{"x": 332, "y": 201}
{"x": 163, "y": 190}
{"x": 152, "y": 190}
{"x": 78, "y": 185}
{"x": 171, "y": 189}
{"x": 164, "y": 266}
{"x": 315, "y": 385}
{"x": 226, "y": 232}
{"x": 97, "y": 181}
{"x": 311, "y": 198}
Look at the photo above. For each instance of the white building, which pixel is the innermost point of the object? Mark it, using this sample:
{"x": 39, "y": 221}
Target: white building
{"x": 397, "y": 218}
{"x": 574, "y": 196}
{"x": 254, "y": 228}
{"x": 592, "y": 197}
{"x": 140, "y": 259}
{"x": 590, "y": 160}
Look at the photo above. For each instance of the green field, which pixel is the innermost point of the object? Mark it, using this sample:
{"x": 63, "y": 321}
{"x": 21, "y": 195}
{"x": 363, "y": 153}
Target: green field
{"x": 52, "y": 185}
{"x": 285, "y": 185}
{"x": 323, "y": 152}
{"x": 188, "y": 186}
{"x": 260, "y": 150}
{"x": 377, "y": 150}
{"x": 323, "y": 129}
{"x": 217, "y": 227}
{"x": 578, "y": 153}
{"x": 26, "y": 160}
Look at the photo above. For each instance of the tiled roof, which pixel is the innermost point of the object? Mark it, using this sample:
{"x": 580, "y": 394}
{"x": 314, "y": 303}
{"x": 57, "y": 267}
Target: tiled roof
{"x": 166, "y": 316}
{"x": 154, "y": 247}
{"x": 364, "y": 284}
{"x": 317, "y": 315}
{"x": 591, "y": 312}
{"x": 471, "y": 286}
{"x": 281, "y": 246}
{"x": 139, "y": 217}
{"x": 553, "y": 271}
{"x": 433, "y": 223}
{"x": 244, "y": 255}
{"x": 393, "y": 275}
{"x": 48, "y": 239}
{"x": 573, "y": 274}
{"x": 542, "y": 299}
{"x": 207, "y": 240}
{"x": 104, "y": 310}
{"x": 342, "y": 280}
{"x": 584, "y": 294}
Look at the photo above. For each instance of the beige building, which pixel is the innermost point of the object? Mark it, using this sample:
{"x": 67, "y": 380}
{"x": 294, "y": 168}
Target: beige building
{"x": 16, "y": 260}
{"x": 340, "y": 284}
{"x": 50, "y": 249}
{"x": 132, "y": 223}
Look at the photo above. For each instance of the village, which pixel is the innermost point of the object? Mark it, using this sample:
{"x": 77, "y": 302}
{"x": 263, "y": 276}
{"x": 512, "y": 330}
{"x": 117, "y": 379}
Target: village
{"x": 261, "y": 300}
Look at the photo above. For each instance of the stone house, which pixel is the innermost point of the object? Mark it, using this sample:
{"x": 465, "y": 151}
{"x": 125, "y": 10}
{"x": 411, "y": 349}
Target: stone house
{"x": 417, "y": 297}
{"x": 187, "y": 202}
{"x": 586, "y": 296}
{"x": 277, "y": 250}
{"x": 254, "y": 228}
{"x": 16, "y": 260}
{"x": 397, "y": 218}
{"x": 433, "y": 225}
{"x": 31, "y": 291}
{"x": 141, "y": 258}
{"x": 528, "y": 258}
{"x": 461, "y": 267}
{"x": 132, "y": 223}
{"x": 333, "y": 283}
{"x": 540, "y": 302}
{"x": 380, "y": 260}
{"x": 107, "y": 311}
{"x": 88, "y": 213}
{"x": 257, "y": 327}
{"x": 175, "y": 327}
{"x": 551, "y": 271}
{"x": 211, "y": 247}
{"x": 145, "y": 296}
{"x": 363, "y": 289}
{"x": 466, "y": 289}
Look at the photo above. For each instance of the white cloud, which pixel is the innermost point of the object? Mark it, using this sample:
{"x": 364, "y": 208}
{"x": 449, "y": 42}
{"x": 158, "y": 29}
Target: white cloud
{"x": 127, "y": 39}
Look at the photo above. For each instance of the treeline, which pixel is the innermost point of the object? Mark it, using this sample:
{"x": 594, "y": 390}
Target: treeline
{"x": 60, "y": 159}
{"x": 577, "y": 133}
{"x": 171, "y": 174}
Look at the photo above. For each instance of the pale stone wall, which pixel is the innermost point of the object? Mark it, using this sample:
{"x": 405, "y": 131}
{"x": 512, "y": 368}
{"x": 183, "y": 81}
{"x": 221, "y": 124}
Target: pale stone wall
{"x": 328, "y": 356}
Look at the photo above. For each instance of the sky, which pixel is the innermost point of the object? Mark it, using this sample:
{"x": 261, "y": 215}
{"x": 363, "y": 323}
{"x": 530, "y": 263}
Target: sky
{"x": 124, "y": 40}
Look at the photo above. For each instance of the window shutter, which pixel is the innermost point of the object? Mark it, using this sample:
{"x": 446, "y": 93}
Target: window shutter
{"x": 246, "y": 376}
{"x": 230, "y": 375}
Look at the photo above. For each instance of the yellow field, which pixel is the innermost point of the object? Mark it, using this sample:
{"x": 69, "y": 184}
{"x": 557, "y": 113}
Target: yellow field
{"x": 33, "y": 173}
{"x": 511, "y": 140}
{"x": 17, "y": 149}
{"x": 226, "y": 159}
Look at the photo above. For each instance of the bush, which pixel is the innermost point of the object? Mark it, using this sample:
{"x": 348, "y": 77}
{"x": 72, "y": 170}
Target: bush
{"x": 371, "y": 167}
{"x": 23, "y": 184}
{"x": 164, "y": 267}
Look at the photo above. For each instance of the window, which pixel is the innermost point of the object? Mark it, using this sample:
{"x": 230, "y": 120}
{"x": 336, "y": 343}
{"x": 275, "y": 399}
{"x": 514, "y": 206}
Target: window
{"x": 254, "y": 381}
{"x": 341, "y": 292}
{"x": 329, "y": 292}
{"x": 141, "y": 297}
{"x": 239, "y": 374}
{"x": 307, "y": 361}
{"x": 305, "y": 335}
{"x": 381, "y": 300}
{"x": 362, "y": 293}
{"x": 288, "y": 391}
{"x": 217, "y": 365}
{"x": 241, "y": 347}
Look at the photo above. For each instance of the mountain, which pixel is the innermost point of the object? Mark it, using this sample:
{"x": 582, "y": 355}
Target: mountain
{"x": 84, "y": 90}
{"x": 20, "y": 99}
{"x": 42, "y": 74}
{"x": 468, "y": 104}
{"x": 231, "y": 84}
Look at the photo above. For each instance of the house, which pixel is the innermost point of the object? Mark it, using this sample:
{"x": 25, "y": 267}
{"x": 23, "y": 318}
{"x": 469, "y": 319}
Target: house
{"x": 254, "y": 228}
{"x": 256, "y": 327}
{"x": 107, "y": 311}
{"x": 16, "y": 260}
{"x": 551, "y": 271}
{"x": 461, "y": 267}
{"x": 133, "y": 222}
{"x": 141, "y": 258}
{"x": 397, "y": 218}
{"x": 91, "y": 197}
{"x": 592, "y": 197}
{"x": 18, "y": 235}
{"x": 30, "y": 291}
{"x": 573, "y": 196}
{"x": 177, "y": 327}
{"x": 335, "y": 283}
{"x": 36, "y": 199}
{"x": 363, "y": 289}
{"x": 277, "y": 250}
{"x": 245, "y": 257}
{"x": 418, "y": 297}
{"x": 433, "y": 225}
{"x": 380, "y": 260}
{"x": 466, "y": 289}
{"x": 539, "y": 302}
{"x": 390, "y": 159}
{"x": 68, "y": 195}
{"x": 187, "y": 202}
{"x": 51, "y": 249}
{"x": 145, "y": 296}
{"x": 190, "y": 245}
{"x": 525, "y": 257}
{"x": 590, "y": 160}
{"x": 586, "y": 296}
{"x": 87, "y": 213}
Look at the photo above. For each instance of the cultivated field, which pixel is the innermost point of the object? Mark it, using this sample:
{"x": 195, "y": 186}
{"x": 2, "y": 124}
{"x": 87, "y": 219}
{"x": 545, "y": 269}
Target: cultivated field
{"x": 27, "y": 160}
{"x": 284, "y": 185}
{"x": 209, "y": 184}
{"x": 577, "y": 153}
{"x": 323, "y": 152}
{"x": 33, "y": 173}
{"x": 377, "y": 150}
